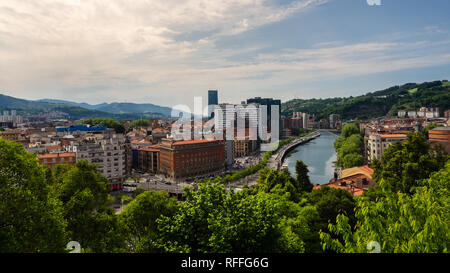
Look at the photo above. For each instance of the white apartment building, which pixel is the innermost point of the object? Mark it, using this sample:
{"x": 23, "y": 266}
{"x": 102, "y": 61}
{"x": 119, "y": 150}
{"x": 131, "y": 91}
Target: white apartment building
{"x": 107, "y": 153}
{"x": 13, "y": 117}
{"x": 378, "y": 143}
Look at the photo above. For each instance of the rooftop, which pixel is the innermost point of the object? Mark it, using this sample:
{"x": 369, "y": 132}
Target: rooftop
{"x": 55, "y": 155}
{"x": 392, "y": 135}
{"x": 153, "y": 148}
{"x": 365, "y": 170}
{"x": 187, "y": 142}
{"x": 440, "y": 129}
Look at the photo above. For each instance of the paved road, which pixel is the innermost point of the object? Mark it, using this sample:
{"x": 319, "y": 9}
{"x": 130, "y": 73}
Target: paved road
{"x": 274, "y": 162}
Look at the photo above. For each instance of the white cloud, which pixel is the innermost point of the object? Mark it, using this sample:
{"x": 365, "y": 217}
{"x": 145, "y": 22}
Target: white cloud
{"x": 68, "y": 43}
{"x": 108, "y": 50}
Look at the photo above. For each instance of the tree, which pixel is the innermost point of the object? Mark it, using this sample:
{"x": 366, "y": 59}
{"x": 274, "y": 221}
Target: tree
{"x": 85, "y": 197}
{"x": 138, "y": 219}
{"x": 399, "y": 222}
{"x": 330, "y": 202}
{"x": 405, "y": 164}
{"x": 108, "y": 122}
{"x": 351, "y": 160}
{"x": 273, "y": 181}
{"x": 213, "y": 220}
{"x": 140, "y": 123}
{"x": 350, "y": 129}
{"x": 31, "y": 219}
{"x": 303, "y": 182}
{"x": 349, "y": 147}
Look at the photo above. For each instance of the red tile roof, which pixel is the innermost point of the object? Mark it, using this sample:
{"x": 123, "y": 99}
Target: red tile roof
{"x": 186, "y": 142}
{"x": 153, "y": 148}
{"x": 55, "y": 155}
{"x": 393, "y": 135}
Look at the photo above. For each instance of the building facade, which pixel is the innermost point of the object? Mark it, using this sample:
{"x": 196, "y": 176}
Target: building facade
{"x": 51, "y": 159}
{"x": 440, "y": 135}
{"x": 191, "y": 158}
{"x": 334, "y": 120}
{"x": 213, "y": 100}
{"x": 149, "y": 159}
{"x": 107, "y": 153}
{"x": 378, "y": 143}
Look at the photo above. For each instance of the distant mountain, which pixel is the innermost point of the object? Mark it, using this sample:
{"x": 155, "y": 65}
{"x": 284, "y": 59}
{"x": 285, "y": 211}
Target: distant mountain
{"x": 119, "y": 107}
{"x": 381, "y": 103}
{"x": 120, "y": 111}
{"x": 74, "y": 112}
{"x": 126, "y": 108}
{"x": 84, "y": 105}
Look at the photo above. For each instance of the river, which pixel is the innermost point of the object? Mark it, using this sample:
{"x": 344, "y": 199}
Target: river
{"x": 318, "y": 154}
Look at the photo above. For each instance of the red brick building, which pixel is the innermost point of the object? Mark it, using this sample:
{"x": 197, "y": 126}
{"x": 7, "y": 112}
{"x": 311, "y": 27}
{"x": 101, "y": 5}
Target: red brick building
{"x": 191, "y": 158}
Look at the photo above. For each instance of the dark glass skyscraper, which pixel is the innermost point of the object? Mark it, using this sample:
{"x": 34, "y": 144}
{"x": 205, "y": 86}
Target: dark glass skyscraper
{"x": 268, "y": 102}
{"x": 213, "y": 99}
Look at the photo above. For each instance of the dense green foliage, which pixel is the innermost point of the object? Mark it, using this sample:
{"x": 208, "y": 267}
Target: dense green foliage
{"x": 140, "y": 123}
{"x": 108, "y": 122}
{"x": 349, "y": 147}
{"x": 403, "y": 165}
{"x": 409, "y": 209}
{"x": 212, "y": 220}
{"x": 84, "y": 194}
{"x": 42, "y": 209}
{"x": 330, "y": 202}
{"x": 399, "y": 222}
{"x": 31, "y": 219}
{"x": 376, "y": 104}
{"x": 138, "y": 219}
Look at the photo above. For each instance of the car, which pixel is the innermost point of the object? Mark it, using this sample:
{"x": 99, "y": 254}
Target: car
{"x": 167, "y": 183}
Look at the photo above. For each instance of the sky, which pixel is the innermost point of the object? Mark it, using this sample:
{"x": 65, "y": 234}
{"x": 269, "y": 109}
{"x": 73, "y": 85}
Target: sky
{"x": 166, "y": 52}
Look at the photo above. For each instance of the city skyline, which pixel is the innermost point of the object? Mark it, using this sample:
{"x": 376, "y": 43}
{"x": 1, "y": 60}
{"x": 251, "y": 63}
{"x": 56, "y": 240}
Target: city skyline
{"x": 101, "y": 51}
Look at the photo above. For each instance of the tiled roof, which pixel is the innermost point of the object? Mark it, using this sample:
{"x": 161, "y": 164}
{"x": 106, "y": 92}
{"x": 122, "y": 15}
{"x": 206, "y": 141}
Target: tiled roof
{"x": 55, "y": 155}
{"x": 365, "y": 170}
{"x": 143, "y": 141}
{"x": 185, "y": 142}
{"x": 393, "y": 135}
{"x": 153, "y": 148}
{"x": 440, "y": 129}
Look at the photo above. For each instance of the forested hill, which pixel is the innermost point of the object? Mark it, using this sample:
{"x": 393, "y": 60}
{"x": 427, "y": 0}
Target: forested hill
{"x": 376, "y": 104}
{"x": 24, "y": 107}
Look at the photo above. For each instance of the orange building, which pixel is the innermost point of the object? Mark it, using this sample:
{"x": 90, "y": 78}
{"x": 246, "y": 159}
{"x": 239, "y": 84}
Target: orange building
{"x": 52, "y": 159}
{"x": 191, "y": 158}
{"x": 355, "y": 180}
{"x": 440, "y": 135}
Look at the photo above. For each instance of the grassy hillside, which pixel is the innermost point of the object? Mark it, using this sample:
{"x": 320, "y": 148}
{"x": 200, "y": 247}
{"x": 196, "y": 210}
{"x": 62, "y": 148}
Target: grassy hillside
{"x": 377, "y": 104}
